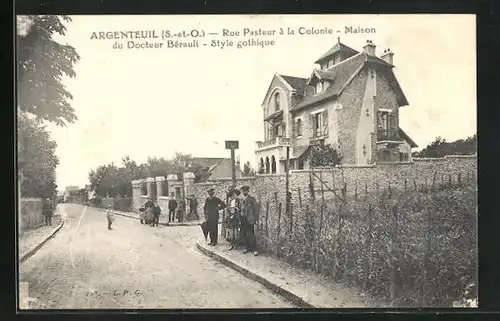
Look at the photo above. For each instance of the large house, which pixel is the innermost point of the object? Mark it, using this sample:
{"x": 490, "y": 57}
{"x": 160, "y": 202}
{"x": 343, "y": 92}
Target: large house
{"x": 351, "y": 103}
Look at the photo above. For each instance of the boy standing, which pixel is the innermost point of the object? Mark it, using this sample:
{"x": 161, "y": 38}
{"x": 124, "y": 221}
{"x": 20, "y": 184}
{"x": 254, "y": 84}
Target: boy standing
{"x": 110, "y": 216}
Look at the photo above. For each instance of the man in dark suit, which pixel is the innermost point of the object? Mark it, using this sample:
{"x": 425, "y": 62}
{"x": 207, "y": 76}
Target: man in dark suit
{"x": 47, "y": 211}
{"x": 172, "y": 205}
{"x": 211, "y": 210}
{"x": 249, "y": 216}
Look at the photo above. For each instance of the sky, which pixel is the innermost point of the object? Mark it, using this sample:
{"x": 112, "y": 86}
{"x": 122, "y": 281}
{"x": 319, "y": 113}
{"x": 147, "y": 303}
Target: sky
{"x": 153, "y": 102}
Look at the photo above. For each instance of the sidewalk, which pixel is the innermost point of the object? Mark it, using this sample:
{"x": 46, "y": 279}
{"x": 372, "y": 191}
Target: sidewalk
{"x": 32, "y": 240}
{"x": 163, "y": 218}
{"x": 304, "y": 288}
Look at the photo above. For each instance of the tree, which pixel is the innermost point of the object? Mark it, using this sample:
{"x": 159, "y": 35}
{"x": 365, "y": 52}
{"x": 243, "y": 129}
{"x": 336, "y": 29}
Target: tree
{"x": 323, "y": 156}
{"x": 248, "y": 170}
{"x": 440, "y": 147}
{"x": 37, "y": 160}
{"x": 41, "y": 64}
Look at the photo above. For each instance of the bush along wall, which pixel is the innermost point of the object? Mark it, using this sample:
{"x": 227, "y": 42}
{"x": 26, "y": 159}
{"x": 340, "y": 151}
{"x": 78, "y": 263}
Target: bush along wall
{"x": 410, "y": 246}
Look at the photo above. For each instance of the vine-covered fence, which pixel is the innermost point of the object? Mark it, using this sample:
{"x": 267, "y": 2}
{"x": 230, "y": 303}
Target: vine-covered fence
{"x": 412, "y": 246}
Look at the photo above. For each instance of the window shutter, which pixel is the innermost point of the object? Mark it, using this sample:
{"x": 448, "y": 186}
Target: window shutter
{"x": 313, "y": 124}
{"x": 324, "y": 119}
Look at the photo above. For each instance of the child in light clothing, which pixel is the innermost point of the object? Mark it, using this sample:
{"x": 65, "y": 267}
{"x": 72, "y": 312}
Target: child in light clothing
{"x": 111, "y": 216}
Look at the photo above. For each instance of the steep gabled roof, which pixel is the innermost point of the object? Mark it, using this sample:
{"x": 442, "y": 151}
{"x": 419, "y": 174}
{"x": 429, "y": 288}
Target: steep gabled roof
{"x": 407, "y": 138}
{"x": 339, "y": 47}
{"x": 297, "y": 83}
{"x": 344, "y": 72}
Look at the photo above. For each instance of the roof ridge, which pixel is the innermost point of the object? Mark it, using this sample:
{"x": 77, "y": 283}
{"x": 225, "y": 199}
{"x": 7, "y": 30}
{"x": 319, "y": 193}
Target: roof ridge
{"x": 348, "y": 59}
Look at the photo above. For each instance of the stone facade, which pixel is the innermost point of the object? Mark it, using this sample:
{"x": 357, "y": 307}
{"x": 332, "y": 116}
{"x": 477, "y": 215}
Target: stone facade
{"x": 361, "y": 89}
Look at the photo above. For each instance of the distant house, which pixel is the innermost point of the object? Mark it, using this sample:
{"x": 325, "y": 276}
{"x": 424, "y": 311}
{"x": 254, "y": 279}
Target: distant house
{"x": 217, "y": 167}
{"x": 69, "y": 190}
{"x": 351, "y": 103}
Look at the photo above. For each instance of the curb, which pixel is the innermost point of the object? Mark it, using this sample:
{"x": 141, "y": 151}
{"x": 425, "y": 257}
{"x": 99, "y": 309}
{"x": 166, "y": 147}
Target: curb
{"x": 31, "y": 252}
{"x": 164, "y": 224}
{"x": 293, "y": 298}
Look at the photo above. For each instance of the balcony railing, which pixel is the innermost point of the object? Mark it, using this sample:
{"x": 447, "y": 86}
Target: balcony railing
{"x": 388, "y": 135}
{"x": 275, "y": 141}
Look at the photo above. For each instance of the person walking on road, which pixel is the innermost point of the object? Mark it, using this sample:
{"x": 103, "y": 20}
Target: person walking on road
{"x": 172, "y": 205}
{"x": 47, "y": 211}
{"x": 211, "y": 210}
{"x": 156, "y": 212}
{"x": 249, "y": 216}
{"x": 111, "y": 217}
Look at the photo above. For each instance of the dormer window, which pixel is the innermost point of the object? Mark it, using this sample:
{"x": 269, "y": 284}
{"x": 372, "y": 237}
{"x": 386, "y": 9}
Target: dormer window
{"x": 330, "y": 63}
{"x": 319, "y": 87}
{"x": 276, "y": 102}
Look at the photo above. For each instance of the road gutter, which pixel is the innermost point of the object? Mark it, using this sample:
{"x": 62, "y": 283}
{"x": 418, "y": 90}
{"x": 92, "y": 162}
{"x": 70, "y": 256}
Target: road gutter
{"x": 292, "y": 297}
{"x": 31, "y": 252}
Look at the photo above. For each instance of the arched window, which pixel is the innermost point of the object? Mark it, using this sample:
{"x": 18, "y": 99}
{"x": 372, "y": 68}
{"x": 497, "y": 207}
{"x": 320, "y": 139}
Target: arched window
{"x": 276, "y": 102}
{"x": 267, "y": 165}
{"x": 261, "y": 166}
{"x": 273, "y": 165}
{"x": 299, "y": 127}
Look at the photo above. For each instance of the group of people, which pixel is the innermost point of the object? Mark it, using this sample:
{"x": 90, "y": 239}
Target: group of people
{"x": 151, "y": 211}
{"x": 243, "y": 214}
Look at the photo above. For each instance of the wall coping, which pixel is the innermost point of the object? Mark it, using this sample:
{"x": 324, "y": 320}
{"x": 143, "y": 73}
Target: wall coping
{"x": 144, "y": 196}
{"x": 159, "y": 178}
{"x": 223, "y": 179}
{"x": 150, "y": 180}
{"x": 172, "y": 177}
{"x": 31, "y": 199}
{"x": 443, "y": 158}
{"x": 164, "y": 198}
{"x": 271, "y": 175}
{"x": 206, "y": 184}
{"x": 394, "y": 163}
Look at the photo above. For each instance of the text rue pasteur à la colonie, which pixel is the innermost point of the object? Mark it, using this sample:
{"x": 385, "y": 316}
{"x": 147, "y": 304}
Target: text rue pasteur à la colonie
{"x": 193, "y": 38}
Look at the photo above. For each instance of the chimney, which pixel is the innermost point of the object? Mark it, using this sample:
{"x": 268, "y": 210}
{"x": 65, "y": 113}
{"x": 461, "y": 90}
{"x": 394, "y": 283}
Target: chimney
{"x": 369, "y": 48}
{"x": 388, "y": 56}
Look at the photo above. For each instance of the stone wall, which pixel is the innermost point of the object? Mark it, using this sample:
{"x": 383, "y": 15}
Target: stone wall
{"x": 354, "y": 178}
{"x": 221, "y": 187}
{"x": 31, "y": 213}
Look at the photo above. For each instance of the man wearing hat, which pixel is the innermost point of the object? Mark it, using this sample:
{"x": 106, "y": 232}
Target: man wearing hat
{"x": 211, "y": 210}
{"x": 249, "y": 216}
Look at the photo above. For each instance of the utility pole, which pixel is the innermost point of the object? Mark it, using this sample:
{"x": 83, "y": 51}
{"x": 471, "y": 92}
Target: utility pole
{"x": 233, "y": 145}
{"x": 287, "y": 181}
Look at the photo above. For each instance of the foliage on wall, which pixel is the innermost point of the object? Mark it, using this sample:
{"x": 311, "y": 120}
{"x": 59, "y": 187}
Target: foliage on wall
{"x": 248, "y": 170}
{"x": 323, "y": 156}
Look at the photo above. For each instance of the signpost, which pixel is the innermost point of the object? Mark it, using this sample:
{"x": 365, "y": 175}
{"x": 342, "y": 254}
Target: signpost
{"x": 232, "y": 145}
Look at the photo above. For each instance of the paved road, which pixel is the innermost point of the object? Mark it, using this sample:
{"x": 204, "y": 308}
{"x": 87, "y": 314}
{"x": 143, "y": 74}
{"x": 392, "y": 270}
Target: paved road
{"x": 133, "y": 266}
